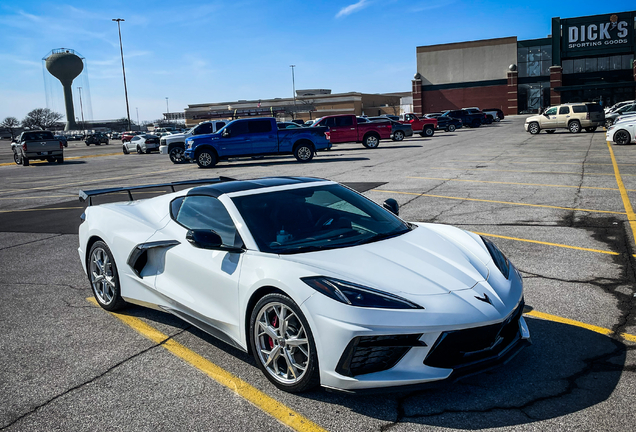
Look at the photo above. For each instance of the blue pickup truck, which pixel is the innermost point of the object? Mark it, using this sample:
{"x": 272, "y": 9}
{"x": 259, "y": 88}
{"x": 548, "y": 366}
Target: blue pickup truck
{"x": 255, "y": 137}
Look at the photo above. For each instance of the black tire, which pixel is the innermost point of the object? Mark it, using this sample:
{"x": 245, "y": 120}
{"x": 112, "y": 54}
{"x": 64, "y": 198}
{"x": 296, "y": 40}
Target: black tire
{"x": 100, "y": 262}
{"x": 206, "y": 158}
{"x": 107, "y": 142}
{"x": 574, "y": 126}
{"x": 428, "y": 131}
{"x": 139, "y": 151}
{"x": 124, "y": 149}
{"x": 88, "y": 144}
{"x": 177, "y": 155}
{"x": 622, "y": 137}
{"x": 534, "y": 128}
{"x": 475, "y": 123}
{"x": 25, "y": 161}
{"x": 590, "y": 129}
{"x": 304, "y": 152}
{"x": 550, "y": 131}
{"x": 148, "y": 151}
{"x": 450, "y": 128}
{"x": 398, "y": 135}
{"x": 297, "y": 326}
{"x": 16, "y": 158}
{"x": 60, "y": 160}
{"x": 608, "y": 123}
{"x": 371, "y": 141}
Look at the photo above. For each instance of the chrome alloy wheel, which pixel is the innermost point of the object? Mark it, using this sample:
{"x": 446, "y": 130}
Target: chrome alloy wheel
{"x": 304, "y": 153}
{"x": 282, "y": 343}
{"x": 205, "y": 159}
{"x": 102, "y": 276}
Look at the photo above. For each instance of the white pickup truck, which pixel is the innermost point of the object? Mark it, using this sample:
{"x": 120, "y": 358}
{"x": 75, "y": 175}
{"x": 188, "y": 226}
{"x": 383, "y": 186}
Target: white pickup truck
{"x": 40, "y": 145}
{"x": 174, "y": 144}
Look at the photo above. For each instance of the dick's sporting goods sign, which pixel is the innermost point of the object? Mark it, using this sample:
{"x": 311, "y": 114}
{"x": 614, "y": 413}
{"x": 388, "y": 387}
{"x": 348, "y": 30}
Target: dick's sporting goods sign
{"x": 597, "y": 35}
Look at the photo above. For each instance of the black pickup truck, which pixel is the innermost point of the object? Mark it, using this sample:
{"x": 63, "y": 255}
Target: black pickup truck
{"x": 468, "y": 119}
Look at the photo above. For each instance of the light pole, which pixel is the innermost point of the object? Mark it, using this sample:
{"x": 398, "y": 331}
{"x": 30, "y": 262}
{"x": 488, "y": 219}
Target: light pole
{"x": 121, "y": 48}
{"x": 137, "y": 116}
{"x": 167, "y": 111}
{"x": 82, "y": 109}
{"x": 293, "y": 89}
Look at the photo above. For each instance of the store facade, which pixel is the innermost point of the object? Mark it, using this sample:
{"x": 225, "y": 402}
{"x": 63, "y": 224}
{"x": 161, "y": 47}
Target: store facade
{"x": 585, "y": 59}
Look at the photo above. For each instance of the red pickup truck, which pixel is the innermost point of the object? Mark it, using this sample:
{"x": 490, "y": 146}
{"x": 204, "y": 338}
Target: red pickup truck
{"x": 345, "y": 128}
{"x": 422, "y": 125}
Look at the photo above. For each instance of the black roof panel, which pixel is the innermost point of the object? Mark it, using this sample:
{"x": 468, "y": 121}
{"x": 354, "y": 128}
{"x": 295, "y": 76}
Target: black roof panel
{"x": 218, "y": 189}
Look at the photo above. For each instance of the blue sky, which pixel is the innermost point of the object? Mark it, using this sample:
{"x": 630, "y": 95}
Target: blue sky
{"x": 215, "y": 51}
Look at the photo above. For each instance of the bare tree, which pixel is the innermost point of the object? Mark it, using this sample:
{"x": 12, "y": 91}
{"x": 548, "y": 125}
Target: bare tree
{"x": 11, "y": 124}
{"x": 395, "y": 105}
{"x": 42, "y": 118}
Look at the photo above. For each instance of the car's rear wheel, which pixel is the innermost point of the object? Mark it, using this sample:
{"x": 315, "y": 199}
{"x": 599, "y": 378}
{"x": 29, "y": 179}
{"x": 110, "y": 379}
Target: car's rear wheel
{"x": 206, "y": 158}
{"x": 398, "y": 136}
{"x": 622, "y": 137}
{"x": 534, "y": 128}
{"x": 590, "y": 129}
{"x": 371, "y": 141}
{"x": 139, "y": 151}
{"x": 475, "y": 123}
{"x": 450, "y": 128}
{"x": 574, "y": 126}
{"x": 304, "y": 152}
{"x": 124, "y": 149}
{"x": 50, "y": 159}
{"x": 60, "y": 159}
{"x": 103, "y": 277}
{"x": 16, "y": 158}
{"x": 88, "y": 144}
{"x": 283, "y": 345}
{"x": 177, "y": 155}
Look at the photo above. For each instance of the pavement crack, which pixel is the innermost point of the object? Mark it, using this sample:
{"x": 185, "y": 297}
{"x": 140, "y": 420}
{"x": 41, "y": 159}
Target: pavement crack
{"x": 92, "y": 380}
{"x": 30, "y": 242}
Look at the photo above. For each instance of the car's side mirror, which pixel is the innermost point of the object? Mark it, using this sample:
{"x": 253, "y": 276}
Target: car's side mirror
{"x": 226, "y": 133}
{"x": 204, "y": 239}
{"x": 392, "y": 206}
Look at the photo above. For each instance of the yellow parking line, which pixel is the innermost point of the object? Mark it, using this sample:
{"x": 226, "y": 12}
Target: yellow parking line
{"x": 626, "y": 203}
{"x": 520, "y": 184}
{"x": 262, "y": 401}
{"x": 538, "y": 162}
{"x": 525, "y": 171}
{"x": 548, "y": 244}
{"x": 596, "y": 329}
{"x": 499, "y": 202}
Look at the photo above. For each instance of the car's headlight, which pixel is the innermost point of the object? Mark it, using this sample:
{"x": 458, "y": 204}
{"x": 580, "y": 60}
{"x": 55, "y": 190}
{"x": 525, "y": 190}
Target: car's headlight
{"x": 357, "y": 295}
{"x": 498, "y": 257}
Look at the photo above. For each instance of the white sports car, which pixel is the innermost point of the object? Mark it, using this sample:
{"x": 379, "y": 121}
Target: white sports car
{"x": 623, "y": 131}
{"x": 320, "y": 284}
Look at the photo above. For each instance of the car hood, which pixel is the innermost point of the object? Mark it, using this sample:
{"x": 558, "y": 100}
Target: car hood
{"x": 534, "y": 118}
{"x": 420, "y": 262}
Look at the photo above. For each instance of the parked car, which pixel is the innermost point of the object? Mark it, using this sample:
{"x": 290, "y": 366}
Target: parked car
{"x": 573, "y": 116}
{"x": 63, "y": 139}
{"x": 345, "y": 128}
{"x": 623, "y": 132}
{"x": 319, "y": 283}
{"x": 425, "y": 126}
{"x": 628, "y": 108}
{"x": 473, "y": 120}
{"x": 40, "y": 145}
{"x": 399, "y": 131}
{"x": 141, "y": 144}
{"x": 174, "y": 145}
{"x": 617, "y": 106}
{"x": 497, "y": 114}
{"x": 96, "y": 138}
{"x": 485, "y": 117}
{"x": 448, "y": 124}
{"x": 255, "y": 137}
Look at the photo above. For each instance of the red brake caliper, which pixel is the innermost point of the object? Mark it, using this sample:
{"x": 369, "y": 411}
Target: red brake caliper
{"x": 271, "y": 341}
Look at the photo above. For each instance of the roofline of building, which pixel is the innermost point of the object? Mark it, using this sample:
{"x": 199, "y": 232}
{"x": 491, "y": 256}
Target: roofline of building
{"x": 469, "y": 44}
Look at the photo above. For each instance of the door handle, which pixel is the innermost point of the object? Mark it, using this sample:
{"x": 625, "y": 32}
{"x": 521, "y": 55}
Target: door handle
{"x": 353, "y": 128}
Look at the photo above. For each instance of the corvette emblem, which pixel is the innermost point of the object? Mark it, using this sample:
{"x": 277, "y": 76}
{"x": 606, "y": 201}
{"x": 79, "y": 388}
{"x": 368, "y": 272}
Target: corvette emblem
{"x": 485, "y": 298}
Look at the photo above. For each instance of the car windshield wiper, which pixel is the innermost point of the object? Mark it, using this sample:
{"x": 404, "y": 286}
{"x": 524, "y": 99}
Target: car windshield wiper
{"x": 379, "y": 236}
{"x": 308, "y": 248}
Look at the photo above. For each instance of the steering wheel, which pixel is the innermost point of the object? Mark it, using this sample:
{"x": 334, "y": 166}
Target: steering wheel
{"x": 324, "y": 221}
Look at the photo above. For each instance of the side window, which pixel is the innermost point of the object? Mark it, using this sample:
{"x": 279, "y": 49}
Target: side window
{"x": 579, "y": 109}
{"x": 329, "y": 122}
{"x": 259, "y": 126}
{"x": 219, "y": 125}
{"x": 135, "y": 138}
{"x": 206, "y": 213}
{"x": 551, "y": 111}
{"x": 564, "y": 110}
{"x": 203, "y": 129}
{"x": 238, "y": 128}
{"x": 346, "y": 121}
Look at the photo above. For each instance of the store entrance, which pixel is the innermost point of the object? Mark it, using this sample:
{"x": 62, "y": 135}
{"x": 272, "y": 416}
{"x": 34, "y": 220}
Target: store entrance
{"x": 533, "y": 98}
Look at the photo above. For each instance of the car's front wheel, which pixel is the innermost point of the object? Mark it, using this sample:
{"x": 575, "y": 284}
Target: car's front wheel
{"x": 103, "y": 277}
{"x": 16, "y": 158}
{"x": 398, "y": 136}
{"x": 283, "y": 345}
{"x": 206, "y": 159}
{"x": 622, "y": 137}
{"x": 139, "y": 151}
{"x": 124, "y": 149}
{"x": 534, "y": 128}
{"x": 608, "y": 123}
{"x": 177, "y": 155}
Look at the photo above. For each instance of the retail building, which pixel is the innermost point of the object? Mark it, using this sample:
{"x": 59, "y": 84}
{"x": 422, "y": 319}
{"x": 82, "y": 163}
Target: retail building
{"x": 584, "y": 59}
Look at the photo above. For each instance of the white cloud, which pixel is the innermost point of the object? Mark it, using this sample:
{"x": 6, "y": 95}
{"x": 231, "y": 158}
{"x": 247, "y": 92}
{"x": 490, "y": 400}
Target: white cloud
{"x": 348, "y": 10}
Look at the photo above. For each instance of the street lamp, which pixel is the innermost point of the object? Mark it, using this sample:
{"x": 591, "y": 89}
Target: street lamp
{"x": 137, "y": 116}
{"x": 293, "y": 89}
{"x": 167, "y": 111}
{"x": 121, "y": 48}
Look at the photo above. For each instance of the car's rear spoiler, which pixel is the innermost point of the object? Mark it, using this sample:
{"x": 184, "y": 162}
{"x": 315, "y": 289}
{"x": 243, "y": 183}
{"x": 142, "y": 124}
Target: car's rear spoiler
{"x": 88, "y": 195}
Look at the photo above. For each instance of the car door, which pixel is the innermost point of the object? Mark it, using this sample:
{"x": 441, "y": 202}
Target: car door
{"x": 235, "y": 140}
{"x": 549, "y": 120}
{"x": 201, "y": 283}
{"x": 263, "y": 137}
{"x": 132, "y": 144}
{"x": 563, "y": 116}
{"x": 344, "y": 129}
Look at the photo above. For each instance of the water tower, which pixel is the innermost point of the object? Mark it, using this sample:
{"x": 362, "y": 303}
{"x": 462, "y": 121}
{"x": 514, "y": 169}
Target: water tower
{"x": 65, "y": 65}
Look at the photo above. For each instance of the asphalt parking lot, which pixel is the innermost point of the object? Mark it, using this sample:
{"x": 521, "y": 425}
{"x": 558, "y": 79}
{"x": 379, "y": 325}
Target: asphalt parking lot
{"x": 558, "y": 205}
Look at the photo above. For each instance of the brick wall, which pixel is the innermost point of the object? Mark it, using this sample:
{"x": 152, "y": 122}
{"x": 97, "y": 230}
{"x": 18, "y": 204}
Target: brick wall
{"x": 482, "y": 97}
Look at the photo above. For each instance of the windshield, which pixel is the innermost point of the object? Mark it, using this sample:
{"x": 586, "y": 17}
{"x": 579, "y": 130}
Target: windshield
{"x": 315, "y": 218}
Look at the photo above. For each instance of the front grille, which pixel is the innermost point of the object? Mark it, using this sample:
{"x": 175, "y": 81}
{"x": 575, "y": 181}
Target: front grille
{"x": 367, "y": 354}
{"x": 462, "y": 348}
